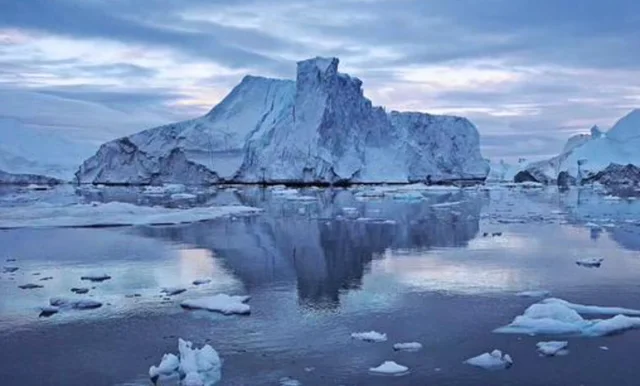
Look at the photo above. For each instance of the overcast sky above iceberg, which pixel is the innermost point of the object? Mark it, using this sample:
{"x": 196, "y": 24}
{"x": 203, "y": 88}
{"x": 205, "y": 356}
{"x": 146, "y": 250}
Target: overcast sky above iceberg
{"x": 528, "y": 73}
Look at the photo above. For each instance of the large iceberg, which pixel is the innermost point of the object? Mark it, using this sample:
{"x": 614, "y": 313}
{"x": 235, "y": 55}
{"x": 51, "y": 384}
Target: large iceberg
{"x": 26, "y": 179}
{"x": 586, "y": 155}
{"x": 318, "y": 129}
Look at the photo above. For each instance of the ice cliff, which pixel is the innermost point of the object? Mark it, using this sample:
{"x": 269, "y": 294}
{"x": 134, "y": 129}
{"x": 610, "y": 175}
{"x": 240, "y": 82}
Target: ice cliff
{"x": 318, "y": 129}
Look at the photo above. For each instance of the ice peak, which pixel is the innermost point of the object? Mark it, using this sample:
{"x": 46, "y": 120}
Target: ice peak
{"x": 596, "y": 132}
{"x": 627, "y": 127}
{"x": 324, "y": 65}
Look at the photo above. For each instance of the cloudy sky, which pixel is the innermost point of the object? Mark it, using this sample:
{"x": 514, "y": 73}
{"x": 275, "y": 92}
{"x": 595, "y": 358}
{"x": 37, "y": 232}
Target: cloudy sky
{"x": 528, "y": 73}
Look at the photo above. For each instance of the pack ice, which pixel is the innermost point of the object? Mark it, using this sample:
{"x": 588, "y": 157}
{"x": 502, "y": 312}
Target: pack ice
{"x": 318, "y": 129}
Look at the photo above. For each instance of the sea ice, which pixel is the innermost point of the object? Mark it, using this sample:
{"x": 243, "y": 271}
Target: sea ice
{"x": 195, "y": 367}
{"x": 409, "y": 346}
{"x": 593, "y": 262}
{"x": 491, "y": 361}
{"x": 534, "y": 294}
{"x": 552, "y": 348}
{"x": 389, "y": 368}
{"x": 96, "y": 277}
{"x": 171, "y": 291}
{"x": 47, "y": 311}
{"x": 80, "y": 290}
{"x": 369, "y": 336}
{"x": 222, "y": 303}
{"x": 79, "y": 304}
{"x": 30, "y": 286}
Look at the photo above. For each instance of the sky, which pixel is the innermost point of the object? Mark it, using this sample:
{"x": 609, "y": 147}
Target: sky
{"x": 528, "y": 73}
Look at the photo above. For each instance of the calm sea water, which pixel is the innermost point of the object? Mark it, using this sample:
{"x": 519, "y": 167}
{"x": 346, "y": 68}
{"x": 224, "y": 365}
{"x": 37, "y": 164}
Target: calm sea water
{"x": 318, "y": 270}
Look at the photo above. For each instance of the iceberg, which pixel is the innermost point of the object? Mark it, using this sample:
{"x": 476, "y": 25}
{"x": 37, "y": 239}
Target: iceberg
{"x": 369, "y": 336}
{"x": 409, "y": 346}
{"x": 318, "y": 129}
{"x": 552, "y": 348}
{"x": 494, "y": 360}
{"x": 389, "y": 368}
{"x": 30, "y": 180}
{"x": 193, "y": 366}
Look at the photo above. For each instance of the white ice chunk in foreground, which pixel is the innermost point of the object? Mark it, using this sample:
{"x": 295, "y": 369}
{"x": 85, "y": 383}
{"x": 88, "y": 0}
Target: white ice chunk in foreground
{"x": 590, "y": 262}
{"x": 221, "y": 303}
{"x": 196, "y": 367}
{"x": 369, "y": 336}
{"x": 557, "y": 316}
{"x": 109, "y": 214}
{"x": 389, "y": 368}
{"x": 491, "y": 361}
{"x": 533, "y": 294}
{"x": 553, "y": 347}
{"x": 409, "y": 346}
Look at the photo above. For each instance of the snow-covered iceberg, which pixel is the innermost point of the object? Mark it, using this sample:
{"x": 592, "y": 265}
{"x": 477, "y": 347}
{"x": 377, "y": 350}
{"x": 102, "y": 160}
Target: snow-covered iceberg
{"x": 318, "y": 129}
{"x": 588, "y": 154}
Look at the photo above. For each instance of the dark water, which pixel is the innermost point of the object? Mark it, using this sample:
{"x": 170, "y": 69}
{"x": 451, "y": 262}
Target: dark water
{"x": 318, "y": 271}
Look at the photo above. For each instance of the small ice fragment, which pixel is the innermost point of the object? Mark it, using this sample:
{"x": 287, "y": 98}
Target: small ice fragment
{"x": 80, "y": 290}
{"x": 491, "y": 361}
{"x": 370, "y": 336}
{"x": 552, "y": 348}
{"x": 30, "y": 286}
{"x": 604, "y": 348}
{"x": 195, "y": 367}
{"x": 410, "y": 346}
{"x": 221, "y": 303}
{"x": 47, "y": 311}
{"x": 534, "y": 294}
{"x": 10, "y": 269}
{"x": 201, "y": 281}
{"x": 171, "y": 291}
{"x": 593, "y": 262}
{"x": 168, "y": 367}
{"x": 46, "y": 278}
{"x": 288, "y": 381}
{"x": 390, "y": 368}
{"x": 96, "y": 278}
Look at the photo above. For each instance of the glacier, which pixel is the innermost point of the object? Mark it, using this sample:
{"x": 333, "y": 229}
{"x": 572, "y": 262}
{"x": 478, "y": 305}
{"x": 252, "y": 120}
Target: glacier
{"x": 586, "y": 155}
{"x": 318, "y": 129}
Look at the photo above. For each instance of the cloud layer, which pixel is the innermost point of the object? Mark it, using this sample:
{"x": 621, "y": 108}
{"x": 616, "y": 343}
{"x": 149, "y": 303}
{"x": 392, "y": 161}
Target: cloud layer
{"x": 529, "y": 74}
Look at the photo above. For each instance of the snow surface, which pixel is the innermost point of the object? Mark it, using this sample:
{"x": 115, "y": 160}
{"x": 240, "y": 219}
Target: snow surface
{"x": 222, "y": 303}
{"x": 389, "y": 368}
{"x": 552, "y": 348}
{"x": 369, "y": 336}
{"x": 559, "y": 317}
{"x": 195, "y": 367}
{"x": 491, "y": 361}
{"x": 319, "y": 128}
{"x": 109, "y": 214}
{"x": 409, "y": 346}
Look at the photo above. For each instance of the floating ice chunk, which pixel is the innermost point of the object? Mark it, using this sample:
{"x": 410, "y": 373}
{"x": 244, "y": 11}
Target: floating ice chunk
{"x": 196, "y": 367}
{"x": 534, "y": 294}
{"x": 79, "y": 304}
{"x": 47, "y": 311}
{"x": 613, "y": 325}
{"x": 288, "y": 381}
{"x": 604, "y": 348}
{"x": 168, "y": 367}
{"x": 96, "y": 277}
{"x": 221, "y": 303}
{"x": 552, "y": 348}
{"x": 597, "y": 310}
{"x": 593, "y": 262}
{"x": 30, "y": 286}
{"x": 201, "y": 281}
{"x": 369, "y": 336}
{"x": 9, "y": 269}
{"x": 46, "y": 278}
{"x": 80, "y": 290}
{"x": 171, "y": 291}
{"x": 390, "y": 368}
{"x": 491, "y": 361}
{"x": 409, "y": 346}
{"x": 183, "y": 196}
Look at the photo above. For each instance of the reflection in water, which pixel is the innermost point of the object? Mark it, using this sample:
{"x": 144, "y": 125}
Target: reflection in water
{"x": 320, "y": 245}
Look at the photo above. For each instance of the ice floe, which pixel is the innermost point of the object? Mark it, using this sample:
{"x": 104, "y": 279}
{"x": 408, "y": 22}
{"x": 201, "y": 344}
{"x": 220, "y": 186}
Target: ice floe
{"x": 222, "y": 303}
{"x": 389, "y": 368}
{"x": 195, "y": 367}
{"x": 80, "y": 290}
{"x": 97, "y": 278}
{"x": 369, "y": 336}
{"x": 172, "y": 291}
{"x": 30, "y": 286}
{"x": 110, "y": 214}
{"x": 494, "y": 360}
{"x": 47, "y": 311}
{"x": 593, "y": 262}
{"x": 409, "y": 346}
{"x": 201, "y": 281}
{"x": 559, "y": 317}
{"x": 534, "y": 294}
{"x": 79, "y": 304}
{"x": 553, "y": 347}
